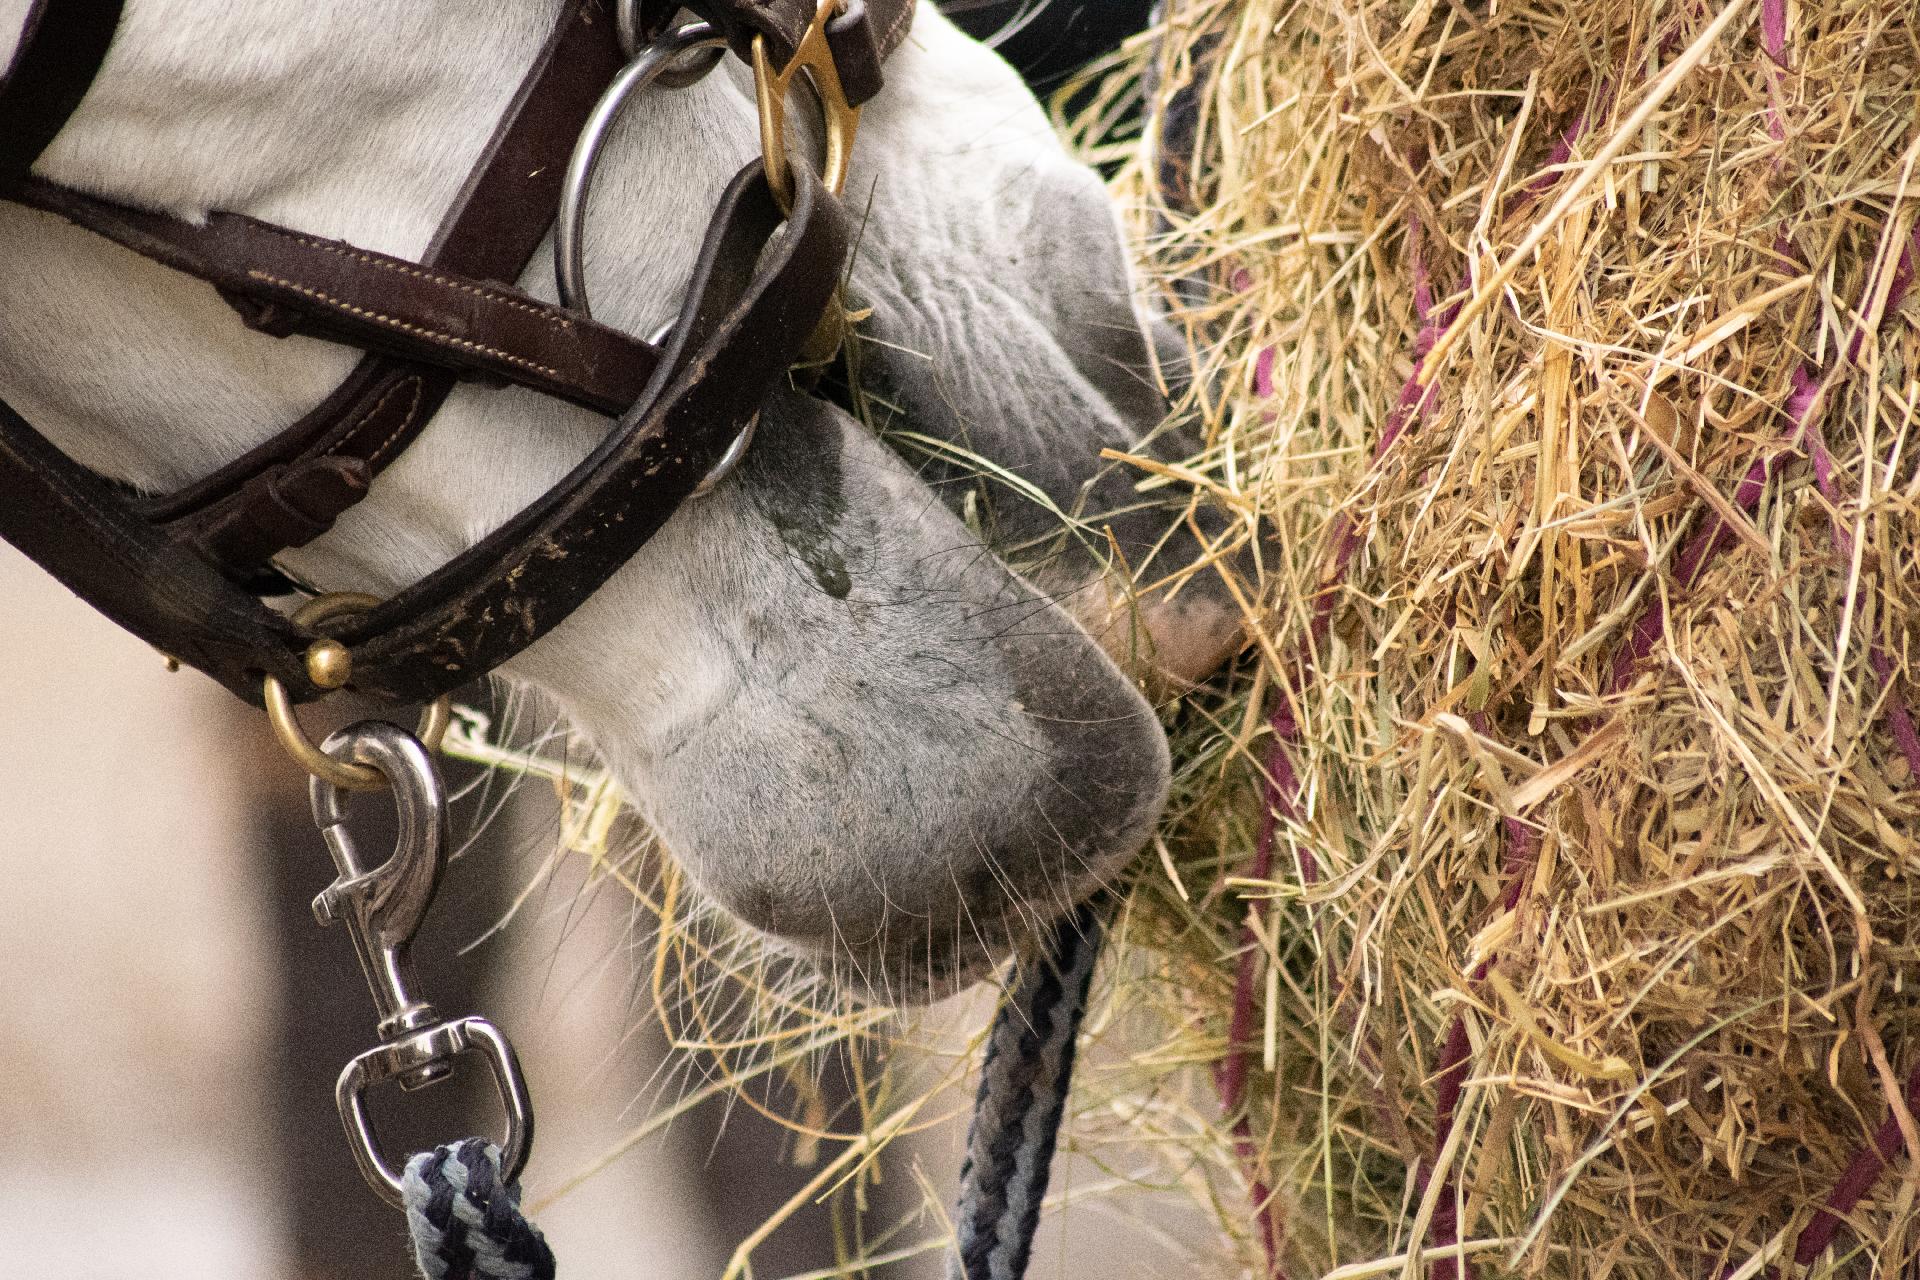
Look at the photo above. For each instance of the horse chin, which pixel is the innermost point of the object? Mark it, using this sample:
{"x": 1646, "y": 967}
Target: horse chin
{"x": 922, "y": 961}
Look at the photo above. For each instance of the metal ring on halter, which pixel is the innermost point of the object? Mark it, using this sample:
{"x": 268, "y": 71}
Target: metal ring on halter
{"x": 728, "y": 460}
{"x": 735, "y": 451}
{"x": 330, "y": 665}
{"x": 626, "y": 27}
{"x": 653, "y": 63}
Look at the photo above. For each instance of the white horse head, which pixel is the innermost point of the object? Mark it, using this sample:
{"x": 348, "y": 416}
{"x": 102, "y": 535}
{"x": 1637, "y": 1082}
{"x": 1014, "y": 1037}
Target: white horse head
{"x": 861, "y": 732}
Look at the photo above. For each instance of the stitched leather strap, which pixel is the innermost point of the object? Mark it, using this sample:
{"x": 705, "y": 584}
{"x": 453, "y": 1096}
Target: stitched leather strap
{"x": 427, "y": 323}
{"x": 285, "y": 281}
{"x": 742, "y": 326}
{"x": 288, "y": 491}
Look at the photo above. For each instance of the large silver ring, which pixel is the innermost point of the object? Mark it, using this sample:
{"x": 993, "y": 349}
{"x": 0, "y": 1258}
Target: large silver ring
{"x": 657, "y": 62}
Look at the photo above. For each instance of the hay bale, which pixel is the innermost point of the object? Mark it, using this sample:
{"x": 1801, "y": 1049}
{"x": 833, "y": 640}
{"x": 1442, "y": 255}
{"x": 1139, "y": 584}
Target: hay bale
{"x": 1545, "y": 879}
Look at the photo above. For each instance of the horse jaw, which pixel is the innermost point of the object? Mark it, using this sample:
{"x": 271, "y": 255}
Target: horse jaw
{"x": 860, "y": 732}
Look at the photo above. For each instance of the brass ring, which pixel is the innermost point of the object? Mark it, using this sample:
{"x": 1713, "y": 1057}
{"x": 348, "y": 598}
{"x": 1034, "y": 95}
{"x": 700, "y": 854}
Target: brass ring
{"x": 286, "y": 727}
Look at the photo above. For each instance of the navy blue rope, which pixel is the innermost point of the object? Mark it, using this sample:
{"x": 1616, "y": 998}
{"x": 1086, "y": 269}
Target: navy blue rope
{"x": 467, "y": 1225}
{"x": 466, "y": 1222}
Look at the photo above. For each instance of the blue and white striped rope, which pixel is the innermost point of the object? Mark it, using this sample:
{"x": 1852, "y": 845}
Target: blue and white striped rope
{"x": 465, "y": 1222}
{"x": 467, "y": 1225}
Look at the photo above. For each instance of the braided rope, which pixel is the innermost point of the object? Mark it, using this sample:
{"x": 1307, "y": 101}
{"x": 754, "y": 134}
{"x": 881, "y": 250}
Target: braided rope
{"x": 1023, "y": 1095}
{"x": 466, "y": 1223}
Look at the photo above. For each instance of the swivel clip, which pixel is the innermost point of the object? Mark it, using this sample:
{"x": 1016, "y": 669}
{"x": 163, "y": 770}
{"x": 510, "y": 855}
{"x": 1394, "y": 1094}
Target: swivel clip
{"x": 382, "y": 908}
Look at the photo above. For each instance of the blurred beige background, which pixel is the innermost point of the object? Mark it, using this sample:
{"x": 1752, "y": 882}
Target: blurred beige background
{"x": 171, "y": 1020}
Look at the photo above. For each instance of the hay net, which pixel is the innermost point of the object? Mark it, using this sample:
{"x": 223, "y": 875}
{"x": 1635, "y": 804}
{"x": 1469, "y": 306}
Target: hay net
{"x": 1541, "y": 890}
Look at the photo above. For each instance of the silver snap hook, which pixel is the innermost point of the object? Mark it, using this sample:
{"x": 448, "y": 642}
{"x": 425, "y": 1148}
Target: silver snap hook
{"x": 382, "y": 908}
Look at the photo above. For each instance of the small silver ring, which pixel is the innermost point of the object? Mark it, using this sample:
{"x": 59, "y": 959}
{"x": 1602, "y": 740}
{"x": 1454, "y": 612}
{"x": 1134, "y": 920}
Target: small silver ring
{"x": 656, "y": 62}
{"x": 728, "y": 460}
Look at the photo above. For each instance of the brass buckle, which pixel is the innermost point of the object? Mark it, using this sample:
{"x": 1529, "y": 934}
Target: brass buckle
{"x": 840, "y": 117}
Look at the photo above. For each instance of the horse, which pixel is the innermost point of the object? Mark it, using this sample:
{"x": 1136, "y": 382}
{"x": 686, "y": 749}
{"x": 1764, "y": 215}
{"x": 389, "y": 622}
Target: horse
{"x": 891, "y": 717}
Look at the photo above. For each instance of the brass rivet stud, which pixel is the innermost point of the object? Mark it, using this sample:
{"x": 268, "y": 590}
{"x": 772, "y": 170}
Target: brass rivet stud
{"x": 329, "y": 664}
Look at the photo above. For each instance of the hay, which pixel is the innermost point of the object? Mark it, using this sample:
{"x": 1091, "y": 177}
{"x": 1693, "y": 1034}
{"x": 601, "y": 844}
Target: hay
{"x": 1541, "y": 890}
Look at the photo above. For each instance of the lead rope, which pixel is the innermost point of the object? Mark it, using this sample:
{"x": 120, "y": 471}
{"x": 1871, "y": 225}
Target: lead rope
{"x": 1024, "y": 1079}
{"x": 467, "y": 1225}
{"x": 462, "y": 1200}
{"x": 465, "y": 1219}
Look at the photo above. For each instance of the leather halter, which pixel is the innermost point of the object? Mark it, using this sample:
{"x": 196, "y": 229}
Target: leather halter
{"x": 173, "y": 569}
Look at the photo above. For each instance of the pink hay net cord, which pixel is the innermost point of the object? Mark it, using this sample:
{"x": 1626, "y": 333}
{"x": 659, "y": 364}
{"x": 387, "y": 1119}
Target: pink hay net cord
{"x": 1282, "y": 785}
{"x": 1281, "y": 790}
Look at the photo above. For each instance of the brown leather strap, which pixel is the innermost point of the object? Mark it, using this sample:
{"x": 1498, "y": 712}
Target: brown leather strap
{"x": 861, "y": 35}
{"x": 858, "y": 49}
{"x": 59, "y": 53}
{"x": 502, "y": 213}
{"x": 239, "y": 516}
{"x": 72, "y": 524}
{"x": 284, "y": 281}
{"x": 289, "y": 490}
{"x": 742, "y": 326}
{"x": 755, "y": 298}
{"x": 275, "y": 502}
{"x": 376, "y": 410}
{"x": 738, "y": 334}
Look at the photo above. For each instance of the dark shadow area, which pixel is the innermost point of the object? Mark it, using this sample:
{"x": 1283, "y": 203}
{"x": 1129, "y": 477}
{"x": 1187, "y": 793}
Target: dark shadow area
{"x": 1048, "y": 40}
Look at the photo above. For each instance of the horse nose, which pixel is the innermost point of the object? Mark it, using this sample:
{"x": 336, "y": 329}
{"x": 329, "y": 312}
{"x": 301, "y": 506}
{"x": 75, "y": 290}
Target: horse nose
{"x": 1012, "y": 867}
